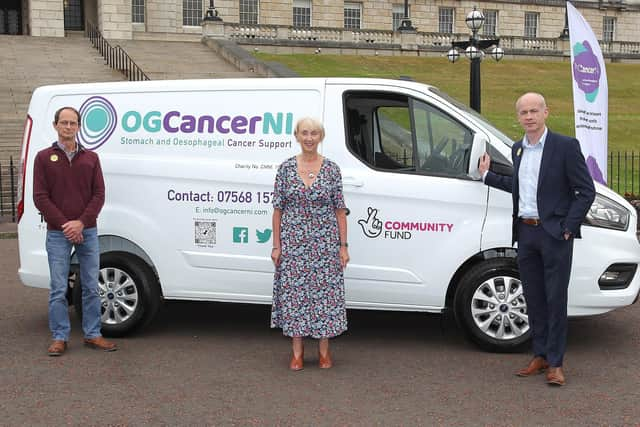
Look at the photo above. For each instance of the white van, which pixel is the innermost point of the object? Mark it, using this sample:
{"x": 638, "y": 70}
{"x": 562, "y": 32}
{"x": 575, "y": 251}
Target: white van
{"x": 189, "y": 168}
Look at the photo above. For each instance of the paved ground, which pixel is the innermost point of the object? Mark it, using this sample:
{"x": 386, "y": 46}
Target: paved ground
{"x": 217, "y": 364}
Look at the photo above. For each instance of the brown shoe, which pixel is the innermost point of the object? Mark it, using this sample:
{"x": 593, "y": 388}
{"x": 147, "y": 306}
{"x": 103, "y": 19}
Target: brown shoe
{"x": 555, "y": 376}
{"x": 325, "y": 361}
{"x": 99, "y": 343}
{"x": 57, "y": 348}
{"x": 536, "y": 366}
{"x": 296, "y": 363}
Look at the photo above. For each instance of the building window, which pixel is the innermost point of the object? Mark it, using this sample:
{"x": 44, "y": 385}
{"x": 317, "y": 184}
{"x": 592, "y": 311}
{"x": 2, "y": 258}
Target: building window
{"x": 191, "y": 12}
{"x": 608, "y": 28}
{"x": 352, "y": 14}
{"x": 531, "y": 24}
{"x": 249, "y": 12}
{"x": 301, "y": 13}
{"x": 490, "y": 26}
{"x": 137, "y": 11}
{"x": 445, "y": 20}
{"x": 398, "y": 15}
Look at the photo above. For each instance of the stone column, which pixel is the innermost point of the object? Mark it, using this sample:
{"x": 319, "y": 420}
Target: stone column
{"x": 212, "y": 25}
{"x": 565, "y": 47}
{"x": 46, "y": 18}
{"x": 409, "y": 40}
{"x": 114, "y": 19}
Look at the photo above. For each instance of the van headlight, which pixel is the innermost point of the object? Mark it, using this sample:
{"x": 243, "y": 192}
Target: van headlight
{"x": 606, "y": 213}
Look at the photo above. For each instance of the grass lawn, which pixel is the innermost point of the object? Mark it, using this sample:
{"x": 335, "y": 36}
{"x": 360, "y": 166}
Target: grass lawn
{"x": 502, "y": 83}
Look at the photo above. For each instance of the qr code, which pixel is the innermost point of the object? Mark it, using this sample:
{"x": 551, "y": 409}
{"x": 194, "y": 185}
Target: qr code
{"x": 205, "y": 232}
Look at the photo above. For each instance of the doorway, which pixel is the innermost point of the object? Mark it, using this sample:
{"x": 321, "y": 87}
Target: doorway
{"x": 73, "y": 19}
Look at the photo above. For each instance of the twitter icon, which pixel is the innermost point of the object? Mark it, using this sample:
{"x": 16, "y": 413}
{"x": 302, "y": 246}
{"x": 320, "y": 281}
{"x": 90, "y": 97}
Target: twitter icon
{"x": 263, "y": 236}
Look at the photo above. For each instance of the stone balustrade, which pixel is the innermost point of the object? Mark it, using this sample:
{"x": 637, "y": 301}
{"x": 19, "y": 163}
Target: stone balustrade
{"x": 386, "y": 42}
{"x": 632, "y": 48}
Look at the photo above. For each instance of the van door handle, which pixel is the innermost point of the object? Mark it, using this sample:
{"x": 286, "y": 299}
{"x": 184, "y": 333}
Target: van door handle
{"x": 352, "y": 182}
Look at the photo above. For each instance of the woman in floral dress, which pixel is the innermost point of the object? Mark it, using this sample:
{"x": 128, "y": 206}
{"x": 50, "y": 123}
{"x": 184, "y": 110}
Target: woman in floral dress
{"x": 309, "y": 247}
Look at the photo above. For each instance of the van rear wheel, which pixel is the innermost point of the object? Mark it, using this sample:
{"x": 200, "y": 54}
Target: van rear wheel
{"x": 128, "y": 290}
{"x": 490, "y": 306}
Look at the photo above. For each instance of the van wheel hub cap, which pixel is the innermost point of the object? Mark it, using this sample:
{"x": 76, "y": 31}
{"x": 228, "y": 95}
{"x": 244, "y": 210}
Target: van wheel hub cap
{"x": 499, "y": 309}
{"x": 119, "y": 296}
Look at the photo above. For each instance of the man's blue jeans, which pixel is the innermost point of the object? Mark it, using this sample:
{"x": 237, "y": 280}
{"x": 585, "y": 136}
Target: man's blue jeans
{"x": 59, "y": 254}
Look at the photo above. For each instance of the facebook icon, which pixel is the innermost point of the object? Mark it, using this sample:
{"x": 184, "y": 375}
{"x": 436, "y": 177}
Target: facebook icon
{"x": 240, "y": 235}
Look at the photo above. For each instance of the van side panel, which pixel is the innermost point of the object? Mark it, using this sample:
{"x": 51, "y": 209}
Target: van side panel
{"x": 189, "y": 176}
{"x": 193, "y": 181}
{"x": 409, "y": 230}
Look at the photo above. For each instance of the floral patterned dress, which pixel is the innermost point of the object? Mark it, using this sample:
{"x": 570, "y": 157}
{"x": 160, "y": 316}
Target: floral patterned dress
{"x": 308, "y": 287}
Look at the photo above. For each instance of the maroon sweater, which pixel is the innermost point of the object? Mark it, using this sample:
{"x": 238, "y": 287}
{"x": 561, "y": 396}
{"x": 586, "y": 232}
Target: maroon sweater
{"x": 65, "y": 191}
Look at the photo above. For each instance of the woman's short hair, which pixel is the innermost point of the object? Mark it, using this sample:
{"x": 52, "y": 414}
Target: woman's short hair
{"x": 312, "y": 122}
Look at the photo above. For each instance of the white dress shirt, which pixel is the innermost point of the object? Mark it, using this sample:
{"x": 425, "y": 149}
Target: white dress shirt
{"x": 528, "y": 176}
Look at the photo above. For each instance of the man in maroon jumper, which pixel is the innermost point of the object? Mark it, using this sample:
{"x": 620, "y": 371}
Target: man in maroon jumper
{"x": 68, "y": 189}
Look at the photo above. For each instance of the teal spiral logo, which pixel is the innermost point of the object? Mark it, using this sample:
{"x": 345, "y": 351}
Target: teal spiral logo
{"x": 99, "y": 119}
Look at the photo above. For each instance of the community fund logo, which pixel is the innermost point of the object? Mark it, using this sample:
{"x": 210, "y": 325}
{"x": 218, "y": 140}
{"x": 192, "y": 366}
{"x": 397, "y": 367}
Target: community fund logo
{"x": 374, "y": 227}
{"x": 99, "y": 119}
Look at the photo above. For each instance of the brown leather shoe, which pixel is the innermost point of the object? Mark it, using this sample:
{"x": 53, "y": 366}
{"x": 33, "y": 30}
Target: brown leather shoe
{"x": 296, "y": 363}
{"x": 325, "y": 361}
{"x": 536, "y": 366}
{"x": 57, "y": 348}
{"x": 555, "y": 376}
{"x": 99, "y": 343}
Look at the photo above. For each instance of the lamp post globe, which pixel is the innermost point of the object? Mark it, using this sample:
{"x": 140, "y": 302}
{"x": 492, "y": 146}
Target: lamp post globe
{"x": 474, "y": 20}
{"x": 497, "y": 53}
{"x": 473, "y": 52}
{"x": 453, "y": 55}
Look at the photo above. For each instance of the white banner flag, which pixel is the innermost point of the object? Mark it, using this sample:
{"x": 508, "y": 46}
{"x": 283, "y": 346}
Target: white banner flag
{"x": 590, "y": 94}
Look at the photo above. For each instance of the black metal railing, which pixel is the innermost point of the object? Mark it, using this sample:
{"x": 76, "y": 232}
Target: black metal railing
{"x": 624, "y": 173}
{"x": 8, "y": 190}
{"x": 115, "y": 56}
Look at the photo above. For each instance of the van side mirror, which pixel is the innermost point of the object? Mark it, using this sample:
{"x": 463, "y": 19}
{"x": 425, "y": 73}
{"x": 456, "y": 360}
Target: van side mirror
{"x": 477, "y": 150}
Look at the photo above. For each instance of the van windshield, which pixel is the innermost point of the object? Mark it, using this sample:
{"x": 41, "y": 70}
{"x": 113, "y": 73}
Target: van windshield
{"x": 498, "y": 133}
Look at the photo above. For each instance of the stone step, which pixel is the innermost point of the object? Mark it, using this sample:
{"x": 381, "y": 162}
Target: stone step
{"x": 178, "y": 60}
{"x": 30, "y": 62}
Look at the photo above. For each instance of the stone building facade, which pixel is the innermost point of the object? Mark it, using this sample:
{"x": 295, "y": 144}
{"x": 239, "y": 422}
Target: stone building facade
{"x": 611, "y": 20}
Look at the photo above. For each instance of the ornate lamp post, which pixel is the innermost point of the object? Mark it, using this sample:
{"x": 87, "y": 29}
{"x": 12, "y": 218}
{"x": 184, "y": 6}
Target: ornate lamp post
{"x": 212, "y": 13}
{"x": 405, "y": 25}
{"x": 474, "y": 50}
{"x": 565, "y": 31}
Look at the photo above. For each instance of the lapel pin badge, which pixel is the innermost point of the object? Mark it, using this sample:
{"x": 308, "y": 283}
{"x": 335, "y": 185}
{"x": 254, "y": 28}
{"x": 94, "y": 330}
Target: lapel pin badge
{"x": 54, "y": 158}
{"x": 519, "y": 152}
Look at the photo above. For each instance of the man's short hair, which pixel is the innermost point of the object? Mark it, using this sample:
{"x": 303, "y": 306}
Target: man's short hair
{"x": 56, "y": 116}
{"x": 540, "y": 97}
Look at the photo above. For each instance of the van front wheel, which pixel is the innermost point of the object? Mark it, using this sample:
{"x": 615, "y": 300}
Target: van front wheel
{"x": 490, "y": 306}
{"x": 128, "y": 290}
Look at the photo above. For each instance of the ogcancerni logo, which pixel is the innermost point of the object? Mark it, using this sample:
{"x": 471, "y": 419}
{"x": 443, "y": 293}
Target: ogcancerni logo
{"x": 99, "y": 120}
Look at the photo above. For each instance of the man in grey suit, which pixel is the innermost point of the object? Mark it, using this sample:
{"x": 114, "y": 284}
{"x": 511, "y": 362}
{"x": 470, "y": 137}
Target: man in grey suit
{"x": 552, "y": 192}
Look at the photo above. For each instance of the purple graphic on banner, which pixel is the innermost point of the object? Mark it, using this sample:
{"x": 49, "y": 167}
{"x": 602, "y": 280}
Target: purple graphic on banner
{"x": 586, "y": 70}
{"x": 594, "y": 170}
